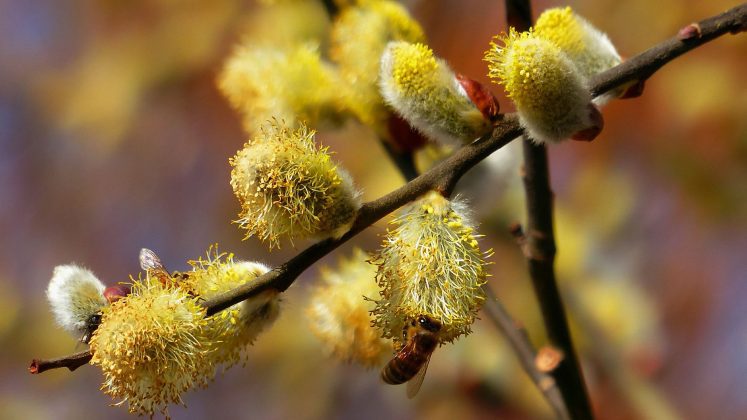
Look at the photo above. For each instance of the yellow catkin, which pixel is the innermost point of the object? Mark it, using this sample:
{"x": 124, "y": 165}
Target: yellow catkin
{"x": 289, "y": 187}
{"x": 590, "y": 49}
{"x": 339, "y": 315}
{"x": 547, "y": 88}
{"x": 430, "y": 264}
{"x": 425, "y": 91}
{"x": 358, "y": 38}
{"x": 151, "y": 348}
{"x": 234, "y": 328}
{"x": 292, "y": 84}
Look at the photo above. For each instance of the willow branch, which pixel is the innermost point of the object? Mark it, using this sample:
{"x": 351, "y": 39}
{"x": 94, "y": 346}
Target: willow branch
{"x": 540, "y": 246}
{"x": 539, "y": 251}
{"x": 72, "y": 362}
{"x": 642, "y": 66}
{"x": 442, "y": 177}
{"x": 331, "y": 7}
{"x": 525, "y": 352}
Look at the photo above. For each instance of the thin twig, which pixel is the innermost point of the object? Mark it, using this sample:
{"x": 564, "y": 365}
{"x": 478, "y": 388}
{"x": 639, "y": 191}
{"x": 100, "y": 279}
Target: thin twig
{"x": 642, "y": 66}
{"x": 522, "y": 347}
{"x": 440, "y": 177}
{"x": 72, "y": 362}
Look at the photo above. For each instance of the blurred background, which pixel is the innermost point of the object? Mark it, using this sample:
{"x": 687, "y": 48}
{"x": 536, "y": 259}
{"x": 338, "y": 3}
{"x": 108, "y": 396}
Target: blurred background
{"x": 114, "y": 137}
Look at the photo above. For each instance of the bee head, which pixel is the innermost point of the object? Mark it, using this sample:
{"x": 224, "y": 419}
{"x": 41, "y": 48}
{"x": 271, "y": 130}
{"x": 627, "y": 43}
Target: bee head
{"x": 92, "y": 323}
{"x": 429, "y": 324}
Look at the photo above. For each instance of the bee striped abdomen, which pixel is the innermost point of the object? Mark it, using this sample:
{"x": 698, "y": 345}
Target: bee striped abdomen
{"x": 409, "y": 360}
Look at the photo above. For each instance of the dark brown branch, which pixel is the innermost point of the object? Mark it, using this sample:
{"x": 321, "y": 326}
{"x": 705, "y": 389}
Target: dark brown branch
{"x": 438, "y": 177}
{"x": 72, "y": 362}
{"x": 522, "y": 347}
{"x": 539, "y": 248}
{"x": 643, "y": 65}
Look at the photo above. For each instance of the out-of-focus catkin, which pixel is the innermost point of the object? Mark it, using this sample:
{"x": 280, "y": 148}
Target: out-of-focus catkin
{"x": 289, "y": 187}
{"x": 292, "y": 84}
{"x": 359, "y": 35}
{"x": 339, "y": 312}
{"x": 430, "y": 264}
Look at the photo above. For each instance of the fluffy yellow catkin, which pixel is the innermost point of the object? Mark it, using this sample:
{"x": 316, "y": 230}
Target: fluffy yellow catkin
{"x": 151, "y": 347}
{"x": 292, "y": 84}
{"x": 426, "y": 93}
{"x": 233, "y": 329}
{"x": 548, "y": 90}
{"x": 339, "y": 315}
{"x": 430, "y": 264}
{"x": 289, "y": 187}
{"x": 590, "y": 49}
{"x": 359, "y": 35}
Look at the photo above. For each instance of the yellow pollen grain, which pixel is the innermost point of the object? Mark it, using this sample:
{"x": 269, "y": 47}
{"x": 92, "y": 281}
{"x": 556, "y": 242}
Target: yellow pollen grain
{"x": 412, "y": 63}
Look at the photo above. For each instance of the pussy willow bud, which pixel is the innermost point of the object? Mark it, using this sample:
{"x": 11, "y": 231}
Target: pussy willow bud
{"x": 291, "y": 84}
{"x": 232, "y": 329}
{"x": 339, "y": 312}
{"x": 289, "y": 187}
{"x": 547, "y": 88}
{"x": 151, "y": 348}
{"x": 590, "y": 49}
{"x": 426, "y": 93}
{"x": 430, "y": 264}
{"x": 359, "y": 35}
{"x": 74, "y": 294}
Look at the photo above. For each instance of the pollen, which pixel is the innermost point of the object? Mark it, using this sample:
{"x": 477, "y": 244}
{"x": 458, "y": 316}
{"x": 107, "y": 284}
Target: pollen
{"x": 425, "y": 91}
{"x": 590, "y": 49}
{"x": 290, "y": 188}
{"x": 548, "y": 90}
{"x": 232, "y": 330}
{"x": 430, "y": 264}
{"x": 151, "y": 348}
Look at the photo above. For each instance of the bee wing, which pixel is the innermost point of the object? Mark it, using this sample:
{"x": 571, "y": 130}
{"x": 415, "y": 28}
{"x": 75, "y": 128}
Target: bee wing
{"x": 150, "y": 261}
{"x": 413, "y": 385}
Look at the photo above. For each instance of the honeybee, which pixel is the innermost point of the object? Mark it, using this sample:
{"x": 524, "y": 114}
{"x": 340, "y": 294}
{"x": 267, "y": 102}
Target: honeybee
{"x": 411, "y": 361}
{"x": 152, "y": 265}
